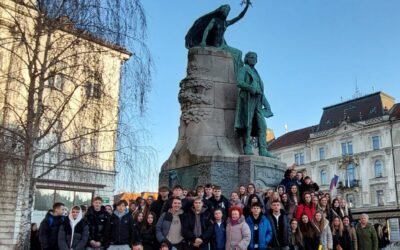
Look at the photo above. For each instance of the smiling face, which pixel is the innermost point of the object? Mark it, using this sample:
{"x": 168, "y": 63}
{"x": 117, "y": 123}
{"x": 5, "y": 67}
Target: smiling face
{"x": 150, "y": 219}
{"x": 235, "y": 215}
{"x": 304, "y": 219}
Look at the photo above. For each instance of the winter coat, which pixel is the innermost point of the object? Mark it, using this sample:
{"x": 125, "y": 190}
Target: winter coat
{"x": 157, "y": 206}
{"x": 148, "y": 237}
{"x": 366, "y": 238}
{"x": 325, "y": 235}
{"x": 48, "y": 231}
{"x": 122, "y": 229}
{"x": 35, "y": 243}
{"x": 186, "y": 204}
{"x": 293, "y": 245}
{"x": 353, "y": 236}
{"x": 238, "y": 235}
{"x": 99, "y": 224}
{"x": 222, "y": 203}
{"x": 219, "y": 237}
{"x": 309, "y": 187}
{"x": 309, "y": 211}
{"x": 73, "y": 233}
{"x": 280, "y": 238}
{"x": 207, "y": 229}
{"x": 287, "y": 182}
{"x": 344, "y": 241}
{"x": 264, "y": 232}
{"x": 164, "y": 224}
{"x": 290, "y": 209}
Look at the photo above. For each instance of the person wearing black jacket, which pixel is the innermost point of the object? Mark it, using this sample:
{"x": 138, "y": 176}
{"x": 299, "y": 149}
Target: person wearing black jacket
{"x": 98, "y": 220}
{"x": 280, "y": 228}
{"x": 48, "y": 230}
{"x": 197, "y": 226}
{"x": 219, "y": 201}
{"x": 309, "y": 186}
{"x": 156, "y": 206}
{"x": 123, "y": 232}
{"x": 148, "y": 233}
{"x": 35, "y": 243}
{"x": 177, "y": 192}
{"x": 74, "y": 232}
{"x": 341, "y": 237}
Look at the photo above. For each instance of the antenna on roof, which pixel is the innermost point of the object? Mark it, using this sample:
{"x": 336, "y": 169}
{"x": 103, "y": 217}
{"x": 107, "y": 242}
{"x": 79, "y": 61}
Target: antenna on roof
{"x": 357, "y": 92}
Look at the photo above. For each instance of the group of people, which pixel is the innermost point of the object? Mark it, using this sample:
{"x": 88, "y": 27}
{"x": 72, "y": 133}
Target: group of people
{"x": 295, "y": 216}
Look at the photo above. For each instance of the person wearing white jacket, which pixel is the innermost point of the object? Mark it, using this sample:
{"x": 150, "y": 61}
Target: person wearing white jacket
{"x": 74, "y": 232}
{"x": 322, "y": 225}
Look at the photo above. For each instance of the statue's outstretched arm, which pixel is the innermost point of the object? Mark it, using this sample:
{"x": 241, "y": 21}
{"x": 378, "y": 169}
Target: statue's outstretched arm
{"x": 205, "y": 34}
{"x": 234, "y": 20}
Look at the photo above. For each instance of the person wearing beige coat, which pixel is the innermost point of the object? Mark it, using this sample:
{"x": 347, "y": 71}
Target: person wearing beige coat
{"x": 237, "y": 231}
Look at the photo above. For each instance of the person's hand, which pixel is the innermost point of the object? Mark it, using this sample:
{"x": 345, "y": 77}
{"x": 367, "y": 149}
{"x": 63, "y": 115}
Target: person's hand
{"x": 98, "y": 244}
{"x": 252, "y": 90}
{"x": 93, "y": 243}
{"x": 198, "y": 241}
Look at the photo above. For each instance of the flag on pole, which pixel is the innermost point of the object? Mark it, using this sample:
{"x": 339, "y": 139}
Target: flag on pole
{"x": 334, "y": 182}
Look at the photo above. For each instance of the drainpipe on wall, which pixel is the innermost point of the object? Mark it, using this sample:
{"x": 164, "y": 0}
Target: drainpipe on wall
{"x": 394, "y": 162}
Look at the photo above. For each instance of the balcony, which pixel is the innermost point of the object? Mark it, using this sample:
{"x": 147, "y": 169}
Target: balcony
{"x": 349, "y": 184}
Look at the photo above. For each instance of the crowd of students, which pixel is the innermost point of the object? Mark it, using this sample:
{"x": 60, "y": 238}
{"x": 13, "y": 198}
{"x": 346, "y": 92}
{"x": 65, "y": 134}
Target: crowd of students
{"x": 295, "y": 216}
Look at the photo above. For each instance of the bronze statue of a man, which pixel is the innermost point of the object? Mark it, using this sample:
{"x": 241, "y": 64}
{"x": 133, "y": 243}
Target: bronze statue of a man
{"x": 252, "y": 107}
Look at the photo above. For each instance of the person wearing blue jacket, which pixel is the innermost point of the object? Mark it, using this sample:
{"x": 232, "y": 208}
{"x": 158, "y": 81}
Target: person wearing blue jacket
{"x": 260, "y": 228}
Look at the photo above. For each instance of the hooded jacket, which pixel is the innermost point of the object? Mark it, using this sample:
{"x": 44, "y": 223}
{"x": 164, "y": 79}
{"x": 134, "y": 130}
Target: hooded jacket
{"x": 367, "y": 238}
{"x": 122, "y": 229}
{"x": 164, "y": 224}
{"x": 99, "y": 224}
{"x": 48, "y": 230}
{"x": 264, "y": 232}
{"x": 74, "y": 233}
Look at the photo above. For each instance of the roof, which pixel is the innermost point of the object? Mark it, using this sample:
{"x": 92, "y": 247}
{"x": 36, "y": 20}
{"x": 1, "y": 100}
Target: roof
{"x": 359, "y": 109}
{"x": 395, "y": 111}
{"x": 293, "y": 137}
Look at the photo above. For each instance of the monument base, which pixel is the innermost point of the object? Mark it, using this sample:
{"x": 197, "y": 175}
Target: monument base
{"x": 227, "y": 172}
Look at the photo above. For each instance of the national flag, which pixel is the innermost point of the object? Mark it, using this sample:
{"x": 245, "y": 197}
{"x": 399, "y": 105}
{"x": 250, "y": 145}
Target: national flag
{"x": 334, "y": 182}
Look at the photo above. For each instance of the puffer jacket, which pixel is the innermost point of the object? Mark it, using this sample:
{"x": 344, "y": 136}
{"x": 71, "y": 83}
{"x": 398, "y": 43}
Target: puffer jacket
{"x": 238, "y": 235}
{"x": 122, "y": 229}
{"x": 326, "y": 236}
{"x": 264, "y": 232}
{"x": 48, "y": 231}
{"x": 367, "y": 238}
{"x": 74, "y": 233}
{"x": 99, "y": 224}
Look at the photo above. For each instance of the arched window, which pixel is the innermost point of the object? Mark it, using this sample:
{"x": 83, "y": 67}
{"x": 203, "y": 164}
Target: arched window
{"x": 324, "y": 179}
{"x": 351, "y": 175}
{"x": 378, "y": 168}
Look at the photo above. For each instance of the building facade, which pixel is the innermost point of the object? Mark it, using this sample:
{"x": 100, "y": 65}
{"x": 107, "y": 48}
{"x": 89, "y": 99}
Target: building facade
{"x": 359, "y": 141}
{"x": 78, "y": 100}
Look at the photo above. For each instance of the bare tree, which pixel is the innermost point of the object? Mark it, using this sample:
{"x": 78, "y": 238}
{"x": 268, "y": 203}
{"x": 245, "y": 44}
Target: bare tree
{"x": 57, "y": 51}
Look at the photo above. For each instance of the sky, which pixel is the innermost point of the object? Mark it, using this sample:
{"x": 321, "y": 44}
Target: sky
{"x": 311, "y": 54}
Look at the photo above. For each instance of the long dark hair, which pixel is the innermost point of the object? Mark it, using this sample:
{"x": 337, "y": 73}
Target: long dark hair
{"x": 297, "y": 233}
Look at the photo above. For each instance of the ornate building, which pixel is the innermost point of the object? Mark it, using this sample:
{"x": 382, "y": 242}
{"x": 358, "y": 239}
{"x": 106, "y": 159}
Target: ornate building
{"x": 359, "y": 141}
{"x": 77, "y": 96}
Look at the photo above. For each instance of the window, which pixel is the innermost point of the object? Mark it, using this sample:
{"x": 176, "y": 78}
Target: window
{"x": 321, "y": 154}
{"x": 378, "y": 168}
{"x": 375, "y": 142}
{"x": 56, "y": 81}
{"x": 351, "y": 175}
{"x": 299, "y": 158}
{"x": 93, "y": 90}
{"x": 380, "y": 198}
{"x": 45, "y": 198}
{"x": 347, "y": 148}
{"x": 324, "y": 178}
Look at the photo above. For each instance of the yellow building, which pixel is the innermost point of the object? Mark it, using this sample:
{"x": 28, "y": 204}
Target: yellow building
{"x": 59, "y": 96}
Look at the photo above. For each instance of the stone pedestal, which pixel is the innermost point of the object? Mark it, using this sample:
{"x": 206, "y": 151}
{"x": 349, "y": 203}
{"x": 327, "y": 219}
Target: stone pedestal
{"x": 208, "y": 149}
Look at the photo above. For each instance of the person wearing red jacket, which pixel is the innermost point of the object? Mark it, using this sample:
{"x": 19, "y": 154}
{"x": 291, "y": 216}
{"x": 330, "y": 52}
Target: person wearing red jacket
{"x": 305, "y": 207}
